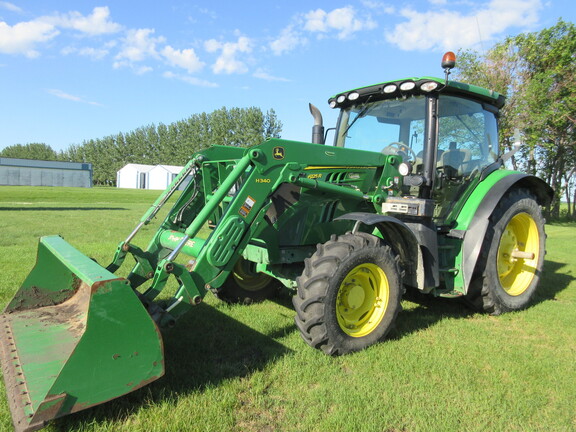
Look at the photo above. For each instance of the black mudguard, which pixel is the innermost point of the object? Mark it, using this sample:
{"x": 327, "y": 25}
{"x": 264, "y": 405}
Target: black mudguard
{"x": 416, "y": 244}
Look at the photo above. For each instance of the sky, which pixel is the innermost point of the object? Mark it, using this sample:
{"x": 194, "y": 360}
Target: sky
{"x": 74, "y": 71}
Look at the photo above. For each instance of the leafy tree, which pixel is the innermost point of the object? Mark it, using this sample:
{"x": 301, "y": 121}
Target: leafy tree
{"x": 38, "y": 151}
{"x": 173, "y": 144}
{"x": 537, "y": 71}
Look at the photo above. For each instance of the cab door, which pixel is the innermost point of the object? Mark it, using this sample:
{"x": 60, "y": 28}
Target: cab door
{"x": 467, "y": 142}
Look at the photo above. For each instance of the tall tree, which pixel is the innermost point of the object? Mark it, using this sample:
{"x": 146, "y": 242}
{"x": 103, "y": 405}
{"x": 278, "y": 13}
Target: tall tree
{"x": 173, "y": 144}
{"x": 537, "y": 71}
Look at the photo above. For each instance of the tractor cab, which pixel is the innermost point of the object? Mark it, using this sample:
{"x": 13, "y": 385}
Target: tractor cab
{"x": 446, "y": 133}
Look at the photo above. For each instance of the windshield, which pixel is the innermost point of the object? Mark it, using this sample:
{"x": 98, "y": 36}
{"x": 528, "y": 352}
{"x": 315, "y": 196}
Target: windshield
{"x": 467, "y": 132}
{"x": 384, "y": 126}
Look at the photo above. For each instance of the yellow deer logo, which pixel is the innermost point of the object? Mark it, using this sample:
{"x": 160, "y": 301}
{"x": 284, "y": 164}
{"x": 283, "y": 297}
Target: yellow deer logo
{"x": 278, "y": 153}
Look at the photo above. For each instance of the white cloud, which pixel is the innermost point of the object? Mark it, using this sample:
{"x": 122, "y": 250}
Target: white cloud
{"x": 63, "y": 95}
{"x": 186, "y": 58}
{"x": 189, "y": 79}
{"x": 445, "y": 29}
{"x": 11, "y": 7}
{"x": 228, "y": 62}
{"x": 262, "y": 74}
{"x": 93, "y": 53}
{"x": 315, "y": 21}
{"x": 138, "y": 45}
{"x": 95, "y": 24}
{"x": 288, "y": 40}
{"x": 343, "y": 20}
{"x": 379, "y": 7}
{"x": 212, "y": 45}
{"x": 23, "y": 37}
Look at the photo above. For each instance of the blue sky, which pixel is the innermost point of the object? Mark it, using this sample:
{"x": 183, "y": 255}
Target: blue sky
{"x": 72, "y": 71}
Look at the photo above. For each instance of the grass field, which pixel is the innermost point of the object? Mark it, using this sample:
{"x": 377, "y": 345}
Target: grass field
{"x": 245, "y": 368}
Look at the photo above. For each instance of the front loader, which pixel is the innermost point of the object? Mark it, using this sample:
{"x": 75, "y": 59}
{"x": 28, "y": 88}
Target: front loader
{"x": 413, "y": 195}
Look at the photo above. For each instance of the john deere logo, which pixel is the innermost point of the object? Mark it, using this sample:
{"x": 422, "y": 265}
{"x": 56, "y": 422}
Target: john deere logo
{"x": 278, "y": 153}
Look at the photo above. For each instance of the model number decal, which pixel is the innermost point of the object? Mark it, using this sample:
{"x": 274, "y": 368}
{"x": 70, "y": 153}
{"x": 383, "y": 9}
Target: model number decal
{"x": 314, "y": 176}
{"x": 262, "y": 180}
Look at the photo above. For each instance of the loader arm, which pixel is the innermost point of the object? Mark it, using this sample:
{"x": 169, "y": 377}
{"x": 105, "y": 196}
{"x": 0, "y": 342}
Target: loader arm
{"x": 237, "y": 210}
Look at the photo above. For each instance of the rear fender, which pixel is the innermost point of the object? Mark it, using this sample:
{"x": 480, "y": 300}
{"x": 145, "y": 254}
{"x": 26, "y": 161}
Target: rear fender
{"x": 419, "y": 272}
{"x": 476, "y": 227}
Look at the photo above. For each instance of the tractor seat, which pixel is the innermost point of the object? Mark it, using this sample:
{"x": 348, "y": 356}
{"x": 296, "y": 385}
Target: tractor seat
{"x": 455, "y": 161}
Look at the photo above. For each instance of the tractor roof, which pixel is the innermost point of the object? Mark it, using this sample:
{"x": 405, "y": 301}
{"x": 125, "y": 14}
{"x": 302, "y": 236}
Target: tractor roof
{"x": 415, "y": 86}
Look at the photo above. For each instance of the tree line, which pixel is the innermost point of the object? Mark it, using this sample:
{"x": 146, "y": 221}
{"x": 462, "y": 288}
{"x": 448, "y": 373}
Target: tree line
{"x": 537, "y": 73}
{"x": 171, "y": 144}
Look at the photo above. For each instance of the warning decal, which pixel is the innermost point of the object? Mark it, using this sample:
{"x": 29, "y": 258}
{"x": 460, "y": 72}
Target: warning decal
{"x": 247, "y": 206}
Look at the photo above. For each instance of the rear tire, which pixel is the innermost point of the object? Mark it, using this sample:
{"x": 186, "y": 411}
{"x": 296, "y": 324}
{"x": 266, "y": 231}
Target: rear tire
{"x": 349, "y": 294}
{"x": 512, "y": 256}
{"x": 245, "y": 285}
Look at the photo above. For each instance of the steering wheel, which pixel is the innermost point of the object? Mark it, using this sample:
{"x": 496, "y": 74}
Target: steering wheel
{"x": 400, "y": 149}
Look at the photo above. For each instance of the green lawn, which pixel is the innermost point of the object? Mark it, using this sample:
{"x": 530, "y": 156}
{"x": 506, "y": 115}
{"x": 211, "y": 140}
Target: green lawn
{"x": 245, "y": 368}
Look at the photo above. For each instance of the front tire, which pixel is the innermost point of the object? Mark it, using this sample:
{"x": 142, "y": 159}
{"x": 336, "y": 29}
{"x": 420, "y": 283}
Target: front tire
{"x": 349, "y": 294}
{"x": 512, "y": 256}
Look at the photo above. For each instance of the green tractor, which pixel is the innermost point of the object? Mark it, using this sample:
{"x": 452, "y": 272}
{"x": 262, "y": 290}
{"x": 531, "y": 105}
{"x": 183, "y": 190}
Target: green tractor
{"x": 412, "y": 195}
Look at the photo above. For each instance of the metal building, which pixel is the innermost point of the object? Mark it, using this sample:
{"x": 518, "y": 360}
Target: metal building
{"x": 29, "y": 172}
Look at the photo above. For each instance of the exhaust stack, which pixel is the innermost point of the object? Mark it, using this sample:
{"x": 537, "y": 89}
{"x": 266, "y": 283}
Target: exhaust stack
{"x": 318, "y": 128}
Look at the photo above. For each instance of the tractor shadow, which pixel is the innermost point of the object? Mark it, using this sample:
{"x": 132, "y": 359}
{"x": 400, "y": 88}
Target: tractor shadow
{"x": 552, "y": 281}
{"x": 59, "y": 208}
{"x": 205, "y": 348}
{"x": 430, "y": 310}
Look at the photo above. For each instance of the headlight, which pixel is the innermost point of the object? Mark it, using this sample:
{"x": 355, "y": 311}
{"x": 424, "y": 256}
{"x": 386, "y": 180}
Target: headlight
{"x": 353, "y": 96}
{"x": 390, "y": 88}
{"x": 408, "y": 85}
{"x": 429, "y": 86}
{"x": 405, "y": 168}
{"x": 332, "y": 103}
{"x": 341, "y": 98}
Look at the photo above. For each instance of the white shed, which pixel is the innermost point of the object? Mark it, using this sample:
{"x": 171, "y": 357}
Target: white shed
{"x": 162, "y": 175}
{"x": 30, "y": 172}
{"x": 133, "y": 176}
{"x": 138, "y": 176}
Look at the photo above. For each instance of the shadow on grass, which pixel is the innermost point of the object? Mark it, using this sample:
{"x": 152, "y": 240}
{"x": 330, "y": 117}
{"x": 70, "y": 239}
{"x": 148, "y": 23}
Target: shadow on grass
{"x": 205, "y": 348}
{"x": 430, "y": 309}
{"x": 58, "y": 208}
{"x": 552, "y": 281}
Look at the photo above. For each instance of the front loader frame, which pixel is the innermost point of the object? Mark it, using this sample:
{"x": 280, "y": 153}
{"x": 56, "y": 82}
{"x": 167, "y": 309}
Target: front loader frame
{"x": 240, "y": 203}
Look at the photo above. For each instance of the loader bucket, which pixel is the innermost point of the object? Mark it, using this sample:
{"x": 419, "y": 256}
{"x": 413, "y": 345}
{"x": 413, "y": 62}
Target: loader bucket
{"x": 74, "y": 336}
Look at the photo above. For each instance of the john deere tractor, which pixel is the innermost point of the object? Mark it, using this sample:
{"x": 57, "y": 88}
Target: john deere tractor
{"x": 411, "y": 195}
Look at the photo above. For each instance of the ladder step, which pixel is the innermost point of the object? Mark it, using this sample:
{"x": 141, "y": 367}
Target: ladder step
{"x": 449, "y": 270}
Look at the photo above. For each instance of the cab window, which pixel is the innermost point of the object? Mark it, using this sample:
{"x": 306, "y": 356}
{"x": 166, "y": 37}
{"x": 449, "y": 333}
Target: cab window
{"x": 467, "y": 136}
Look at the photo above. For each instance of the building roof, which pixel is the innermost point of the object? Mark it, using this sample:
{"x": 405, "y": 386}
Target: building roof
{"x": 171, "y": 168}
{"x": 34, "y": 163}
{"x": 146, "y": 168}
{"x": 139, "y": 167}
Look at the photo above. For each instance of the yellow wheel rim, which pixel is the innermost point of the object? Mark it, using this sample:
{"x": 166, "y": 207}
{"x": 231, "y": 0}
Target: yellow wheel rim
{"x": 362, "y": 300}
{"x": 247, "y": 278}
{"x": 518, "y": 254}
